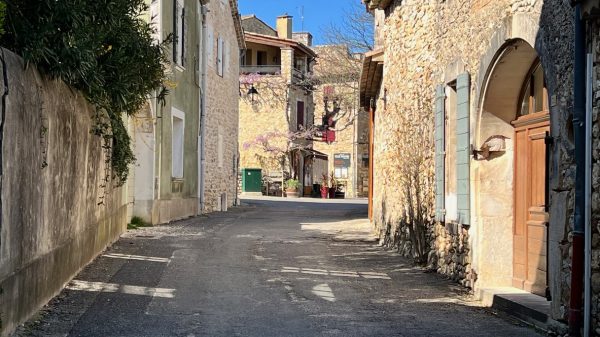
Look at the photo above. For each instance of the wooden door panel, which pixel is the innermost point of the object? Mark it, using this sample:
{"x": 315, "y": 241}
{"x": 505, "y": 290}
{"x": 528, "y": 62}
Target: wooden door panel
{"x": 529, "y": 268}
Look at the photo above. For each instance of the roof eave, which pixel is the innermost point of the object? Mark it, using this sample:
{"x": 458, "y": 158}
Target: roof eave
{"x": 371, "y": 77}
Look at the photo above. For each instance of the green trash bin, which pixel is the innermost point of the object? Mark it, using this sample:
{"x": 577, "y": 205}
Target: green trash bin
{"x": 251, "y": 180}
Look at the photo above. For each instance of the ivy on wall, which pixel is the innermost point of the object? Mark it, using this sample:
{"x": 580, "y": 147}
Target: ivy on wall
{"x": 103, "y": 48}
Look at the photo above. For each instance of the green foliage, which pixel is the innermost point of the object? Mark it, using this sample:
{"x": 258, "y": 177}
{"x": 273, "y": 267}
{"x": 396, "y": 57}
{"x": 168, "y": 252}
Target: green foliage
{"x": 2, "y": 17}
{"x": 103, "y": 48}
{"x": 137, "y": 222}
{"x": 292, "y": 184}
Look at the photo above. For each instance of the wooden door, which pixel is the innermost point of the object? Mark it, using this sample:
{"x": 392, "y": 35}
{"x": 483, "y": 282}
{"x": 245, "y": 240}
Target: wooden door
{"x": 530, "y": 217}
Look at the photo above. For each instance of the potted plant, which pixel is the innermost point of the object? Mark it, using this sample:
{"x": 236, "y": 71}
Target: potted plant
{"x": 332, "y": 186}
{"x": 291, "y": 188}
{"x": 339, "y": 191}
{"x": 324, "y": 187}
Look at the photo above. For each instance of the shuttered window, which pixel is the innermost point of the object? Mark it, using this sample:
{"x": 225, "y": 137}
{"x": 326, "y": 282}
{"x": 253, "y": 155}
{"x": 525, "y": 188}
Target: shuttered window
{"x": 463, "y": 148}
{"x": 440, "y": 156}
{"x": 179, "y": 28}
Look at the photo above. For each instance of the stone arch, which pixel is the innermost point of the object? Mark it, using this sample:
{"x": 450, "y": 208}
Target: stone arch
{"x": 498, "y": 94}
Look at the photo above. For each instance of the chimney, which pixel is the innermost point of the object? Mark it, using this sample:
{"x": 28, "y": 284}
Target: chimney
{"x": 284, "y": 26}
{"x": 303, "y": 37}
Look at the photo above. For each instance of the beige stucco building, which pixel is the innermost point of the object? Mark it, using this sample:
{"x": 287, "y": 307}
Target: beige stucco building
{"x": 273, "y": 118}
{"x": 473, "y": 100}
{"x": 186, "y": 146}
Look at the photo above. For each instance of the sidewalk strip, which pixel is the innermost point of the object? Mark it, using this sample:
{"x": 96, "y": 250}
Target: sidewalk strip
{"x": 120, "y": 288}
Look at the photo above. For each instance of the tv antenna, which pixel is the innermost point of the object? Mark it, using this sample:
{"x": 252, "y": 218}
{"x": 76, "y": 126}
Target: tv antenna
{"x": 302, "y": 17}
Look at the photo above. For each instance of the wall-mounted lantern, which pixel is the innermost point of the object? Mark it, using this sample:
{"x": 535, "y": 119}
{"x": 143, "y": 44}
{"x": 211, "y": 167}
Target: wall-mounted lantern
{"x": 251, "y": 92}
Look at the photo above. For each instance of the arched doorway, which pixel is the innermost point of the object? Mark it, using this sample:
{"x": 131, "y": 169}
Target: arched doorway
{"x": 512, "y": 182}
{"x": 532, "y": 125}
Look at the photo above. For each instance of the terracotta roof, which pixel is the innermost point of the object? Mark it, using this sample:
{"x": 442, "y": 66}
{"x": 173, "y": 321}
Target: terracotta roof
{"x": 278, "y": 42}
{"x": 371, "y": 76}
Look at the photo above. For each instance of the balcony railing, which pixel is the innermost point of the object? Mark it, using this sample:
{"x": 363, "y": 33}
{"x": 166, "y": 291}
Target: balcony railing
{"x": 263, "y": 70}
{"x": 298, "y": 75}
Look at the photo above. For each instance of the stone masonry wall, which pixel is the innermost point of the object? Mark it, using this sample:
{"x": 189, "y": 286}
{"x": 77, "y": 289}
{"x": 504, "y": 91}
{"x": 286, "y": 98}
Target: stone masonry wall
{"x": 431, "y": 42}
{"x": 222, "y": 115}
{"x": 595, "y": 31}
{"x": 56, "y": 214}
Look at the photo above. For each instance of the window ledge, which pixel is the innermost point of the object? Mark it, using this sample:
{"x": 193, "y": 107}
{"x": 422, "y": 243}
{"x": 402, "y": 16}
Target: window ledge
{"x": 179, "y": 68}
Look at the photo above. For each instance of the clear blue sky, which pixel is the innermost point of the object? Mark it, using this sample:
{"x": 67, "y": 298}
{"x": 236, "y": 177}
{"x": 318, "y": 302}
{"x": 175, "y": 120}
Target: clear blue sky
{"x": 317, "y": 13}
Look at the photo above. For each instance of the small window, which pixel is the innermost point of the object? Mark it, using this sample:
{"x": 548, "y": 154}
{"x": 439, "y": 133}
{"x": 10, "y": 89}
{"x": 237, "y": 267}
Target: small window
{"x": 179, "y": 32}
{"x": 300, "y": 115}
{"x": 220, "y": 47}
{"x": 178, "y": 122}
{"x": 261, "y": 58}
{"x": 535, "y": 95}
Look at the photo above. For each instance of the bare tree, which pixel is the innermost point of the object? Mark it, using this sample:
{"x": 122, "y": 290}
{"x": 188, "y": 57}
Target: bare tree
{"x": 339, "y": 62}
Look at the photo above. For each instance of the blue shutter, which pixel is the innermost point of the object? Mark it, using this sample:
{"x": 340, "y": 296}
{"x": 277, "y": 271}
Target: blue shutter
{"x": 463, "y": 148}
{"x": 440, "y": 154}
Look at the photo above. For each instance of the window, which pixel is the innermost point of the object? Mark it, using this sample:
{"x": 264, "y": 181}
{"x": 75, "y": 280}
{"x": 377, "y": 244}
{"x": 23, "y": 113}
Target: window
{"x": 450, "y": 120}
{"x": 220, "y": 47}
{"x": 261, "y": 58}
{"x": 341, "y": 164}
{"x": 178, "y": 123}
{"x": 535, "y": 96}
{"x": 155, "y": 20}
{"x": 300, "y": 115}
{"x": 179, "y": 32}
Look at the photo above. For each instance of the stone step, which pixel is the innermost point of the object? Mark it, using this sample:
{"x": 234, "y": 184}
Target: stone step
{"x": 528, "y": 307}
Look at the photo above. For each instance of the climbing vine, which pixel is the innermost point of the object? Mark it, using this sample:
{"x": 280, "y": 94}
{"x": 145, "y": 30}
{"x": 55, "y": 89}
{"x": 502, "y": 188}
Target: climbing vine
{"x": 104, "y": 48}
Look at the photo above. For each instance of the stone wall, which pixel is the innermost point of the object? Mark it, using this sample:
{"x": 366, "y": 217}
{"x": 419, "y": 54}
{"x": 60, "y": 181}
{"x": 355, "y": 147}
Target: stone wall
{"x": 594, "y": 30}
{"x": 430, "y": 43}
{"x": 222, "y": 116}
{"x": 58, "y": 212}
{"x": 259, "y": 117}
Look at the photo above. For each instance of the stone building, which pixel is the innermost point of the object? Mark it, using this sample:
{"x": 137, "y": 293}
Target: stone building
{"x": 337, "y": 71}
{"x": 186, "y": 147}
{"x": 476, "y": 97}
{"x": 276, "y": 107}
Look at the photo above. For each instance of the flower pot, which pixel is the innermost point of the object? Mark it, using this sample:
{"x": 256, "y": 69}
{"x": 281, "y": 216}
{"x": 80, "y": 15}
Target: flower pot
{"x": 292, "y": 194}
{"x": 324, "y": 192}
{"x": 331, "y": 192}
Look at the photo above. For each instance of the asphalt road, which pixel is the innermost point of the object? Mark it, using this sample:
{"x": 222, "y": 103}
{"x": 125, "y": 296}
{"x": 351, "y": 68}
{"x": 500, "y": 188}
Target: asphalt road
{"x": 269, "y": 268}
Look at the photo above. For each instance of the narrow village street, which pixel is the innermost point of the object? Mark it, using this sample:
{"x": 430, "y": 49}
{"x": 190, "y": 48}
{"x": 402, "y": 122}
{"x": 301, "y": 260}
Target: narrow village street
{"x": 272, "y": 267}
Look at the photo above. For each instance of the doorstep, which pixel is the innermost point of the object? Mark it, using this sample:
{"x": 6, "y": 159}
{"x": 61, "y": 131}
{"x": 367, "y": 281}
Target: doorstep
{"x": 525, "y": 306}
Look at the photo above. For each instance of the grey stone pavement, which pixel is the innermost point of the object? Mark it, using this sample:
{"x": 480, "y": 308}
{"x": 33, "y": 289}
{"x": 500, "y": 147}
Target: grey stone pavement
{"x": 272, "y": 267}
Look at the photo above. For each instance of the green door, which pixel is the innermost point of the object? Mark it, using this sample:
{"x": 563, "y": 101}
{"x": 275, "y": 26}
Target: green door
{"x": 251, "y": 180}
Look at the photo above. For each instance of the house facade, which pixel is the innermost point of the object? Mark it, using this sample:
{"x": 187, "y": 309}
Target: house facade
{"x": 337, "y": 71}
{"x": 276, "y": 105}
{"x": 186, "y": 145}
{"x": 474, "y": 101}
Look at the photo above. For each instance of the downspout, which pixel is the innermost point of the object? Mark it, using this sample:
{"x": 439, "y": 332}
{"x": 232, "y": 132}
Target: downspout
{"x": 587, "y": 298}
{"x": 202, "y": 121}
{"x": 579, "y": 211}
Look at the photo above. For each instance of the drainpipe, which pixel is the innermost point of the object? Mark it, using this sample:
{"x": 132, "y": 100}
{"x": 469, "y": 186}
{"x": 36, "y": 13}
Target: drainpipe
{"x": 579, "y": 132}
{"x": 202, "y": 121}
{"x": 587, "y": 298}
